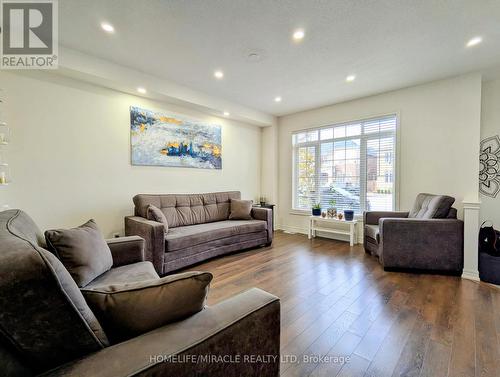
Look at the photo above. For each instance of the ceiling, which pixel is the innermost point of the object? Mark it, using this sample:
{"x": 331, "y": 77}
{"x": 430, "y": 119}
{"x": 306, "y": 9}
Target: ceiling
{"x": 387, "y": 44}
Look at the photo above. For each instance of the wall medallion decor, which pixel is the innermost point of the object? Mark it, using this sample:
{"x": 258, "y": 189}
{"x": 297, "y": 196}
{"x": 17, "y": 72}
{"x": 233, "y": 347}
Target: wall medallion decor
{"x": 174, "y": 140}
{"x": 489, "y": 160}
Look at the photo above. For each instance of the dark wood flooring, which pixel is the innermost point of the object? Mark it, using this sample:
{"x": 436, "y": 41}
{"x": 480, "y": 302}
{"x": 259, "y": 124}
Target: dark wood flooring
{"x": 337, "y": 301}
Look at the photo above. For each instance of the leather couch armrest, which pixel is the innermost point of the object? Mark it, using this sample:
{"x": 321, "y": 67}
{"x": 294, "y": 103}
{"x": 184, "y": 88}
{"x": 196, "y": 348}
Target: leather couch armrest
{"x": 427, "y": 244}
{"x": 373, "y": 217}
{"x": 265, "y": 214}
{"x": 154, "y": 236}
{"x": 245, "y": 324}
{"x": 126, "y": 250}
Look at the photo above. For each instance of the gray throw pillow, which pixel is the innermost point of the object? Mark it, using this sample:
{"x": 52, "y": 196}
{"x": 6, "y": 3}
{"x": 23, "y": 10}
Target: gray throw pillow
{"x": 430, "y": 206}
{"x": 83, "y": 251}
{"x": 155, "y": 214}
{"x": 127, "y": 310}
{"x": 240, "y": 209}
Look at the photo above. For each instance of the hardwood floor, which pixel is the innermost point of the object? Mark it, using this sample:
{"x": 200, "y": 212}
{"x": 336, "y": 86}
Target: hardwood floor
{"x": 337, "y": 301}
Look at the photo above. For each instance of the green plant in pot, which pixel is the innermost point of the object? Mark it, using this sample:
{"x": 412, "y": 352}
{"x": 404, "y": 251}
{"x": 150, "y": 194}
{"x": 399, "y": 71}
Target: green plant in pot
{"x": 316, "y": 209}
{"x": 332, "y": 210}
{"x": 349, "y": 214}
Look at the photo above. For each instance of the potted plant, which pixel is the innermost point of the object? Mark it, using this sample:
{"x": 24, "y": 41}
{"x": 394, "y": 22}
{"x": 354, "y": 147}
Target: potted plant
{"x": 316, "y": 209}
{"x": 349, "y": 214}
{"x": 332, "y": 211}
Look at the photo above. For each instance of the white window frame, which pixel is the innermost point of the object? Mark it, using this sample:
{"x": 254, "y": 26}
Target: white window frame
{"x": 317, "y": 145}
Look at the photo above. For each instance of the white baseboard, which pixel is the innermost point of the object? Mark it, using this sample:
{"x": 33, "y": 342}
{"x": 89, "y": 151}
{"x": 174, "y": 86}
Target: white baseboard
{"x": 470, "y": 275}
{"x": 292, "y": 229}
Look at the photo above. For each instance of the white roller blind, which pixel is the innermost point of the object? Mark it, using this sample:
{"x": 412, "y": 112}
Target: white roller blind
{"x": 348, "y": 166}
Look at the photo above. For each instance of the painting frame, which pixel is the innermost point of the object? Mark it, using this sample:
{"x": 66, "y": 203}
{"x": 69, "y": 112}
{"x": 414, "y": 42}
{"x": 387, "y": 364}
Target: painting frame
{"x": 168, "y": 139}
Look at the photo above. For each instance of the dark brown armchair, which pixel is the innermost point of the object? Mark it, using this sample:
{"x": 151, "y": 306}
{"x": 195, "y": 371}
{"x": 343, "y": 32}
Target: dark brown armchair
{"x": 429, "y": 237}
{"x": 47, "y": 326}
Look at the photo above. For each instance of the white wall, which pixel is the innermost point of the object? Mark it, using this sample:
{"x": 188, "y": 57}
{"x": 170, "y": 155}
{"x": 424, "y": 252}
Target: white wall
{"x": 269, "y": 185}
{"x": 438, "y": 140}
{"x": 70, "y": 153}
{"x": 490, "y": 126}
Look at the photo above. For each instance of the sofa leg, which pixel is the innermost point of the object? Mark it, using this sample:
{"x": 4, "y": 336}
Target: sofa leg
{"x": 268, "y": 244}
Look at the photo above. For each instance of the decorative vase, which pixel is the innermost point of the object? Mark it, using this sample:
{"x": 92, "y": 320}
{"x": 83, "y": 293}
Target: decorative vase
{"x": 340, "y": 216}
{"x": 332, "y": 212}
{"x": 316, "y": 211}
{"x": 349, "y": 215}
{"x": 323, "y": 214}
{"x": 262, "y": 204}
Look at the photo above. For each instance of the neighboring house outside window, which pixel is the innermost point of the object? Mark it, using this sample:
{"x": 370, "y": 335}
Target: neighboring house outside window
{"x": 351, "y": 165}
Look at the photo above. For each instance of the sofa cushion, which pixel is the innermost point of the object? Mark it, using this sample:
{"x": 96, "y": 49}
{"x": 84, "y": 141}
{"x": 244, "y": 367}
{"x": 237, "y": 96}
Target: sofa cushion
{"x": 43, "y": 315}
{"x": 126, "y": 274}
{"x": 177, "y": 259}
{"x": 129, "y": 309}
{"x": 240, "y": 209}
{"x": 187, "y": 209}
{"x": 429, "y": 206}
{"x": 188, "y": 236}
{"x": 155, "y": 214}
{"x": 372, "y": 231}
{"x": 83, "y": 251}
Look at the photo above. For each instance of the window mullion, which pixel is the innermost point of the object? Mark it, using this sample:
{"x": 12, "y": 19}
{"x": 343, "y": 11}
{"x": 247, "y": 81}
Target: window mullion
{"x": 296, "y": 177}
{"x": 317, "y": 172}
{"x": 363, "y": 178}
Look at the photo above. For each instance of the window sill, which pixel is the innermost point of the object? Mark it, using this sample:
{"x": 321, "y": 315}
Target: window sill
{"x": 300, "y": 212}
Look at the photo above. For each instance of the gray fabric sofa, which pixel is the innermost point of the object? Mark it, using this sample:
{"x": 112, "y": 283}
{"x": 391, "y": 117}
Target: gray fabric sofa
{"x": 428, "y": 238}
{"x": 47, "y": 328}
{"x": 198, "y": 228}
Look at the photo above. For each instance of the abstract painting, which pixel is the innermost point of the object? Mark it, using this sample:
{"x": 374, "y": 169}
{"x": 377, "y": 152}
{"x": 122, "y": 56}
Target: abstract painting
{"x": 159, "y": 139}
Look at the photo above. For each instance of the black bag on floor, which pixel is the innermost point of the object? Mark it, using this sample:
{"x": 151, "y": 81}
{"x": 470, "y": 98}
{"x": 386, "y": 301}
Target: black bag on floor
{"x": 489, "y": 240}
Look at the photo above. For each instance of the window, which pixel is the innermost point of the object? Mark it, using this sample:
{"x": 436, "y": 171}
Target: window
{"x": 348, "y": 166}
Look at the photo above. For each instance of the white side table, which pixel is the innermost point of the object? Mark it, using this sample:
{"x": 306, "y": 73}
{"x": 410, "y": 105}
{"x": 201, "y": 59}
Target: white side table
{"x": 316, "y": 221}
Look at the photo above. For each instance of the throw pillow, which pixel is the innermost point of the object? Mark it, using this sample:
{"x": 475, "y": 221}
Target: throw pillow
{"x": 83, "y": 251}
{"x": 240, "y": 209}
{"x": 127, "y": 310}
{"x": 155, "y": 214}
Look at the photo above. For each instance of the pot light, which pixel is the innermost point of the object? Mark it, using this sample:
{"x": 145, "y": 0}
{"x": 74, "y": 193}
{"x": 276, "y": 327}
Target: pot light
{"x": 298, "y": 34}
{"x": 277, "y": 99}
{"x": 142, "y": 90}
{"x": 474, "y": 41}
{"x": 107, "y": 27}
{"x": 226, "y": 114}
{"x": 218, "y": 74}
{"x": 350, "y": 78}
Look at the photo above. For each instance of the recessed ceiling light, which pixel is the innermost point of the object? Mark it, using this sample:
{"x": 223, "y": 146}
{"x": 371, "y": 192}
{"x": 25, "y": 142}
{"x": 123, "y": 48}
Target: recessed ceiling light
{"x": 219, "y": 74}
{"x": 277, "y": 99}
{"x": 350, "y": 78}
{"x": 298, "y": 34}
{"x": 226, "y": 114}
{"x": 474, "y": 41}
{"x": 142, "y": 90}
{"x": 107, "y": 27}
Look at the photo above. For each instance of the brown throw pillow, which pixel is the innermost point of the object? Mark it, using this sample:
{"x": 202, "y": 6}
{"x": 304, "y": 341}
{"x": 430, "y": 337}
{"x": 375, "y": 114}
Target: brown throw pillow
{"x": 240, "y": 209}
{"x": 155, "y": 214}
{"x": 83, "y": 251}
{"x": 127, "y": 310}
